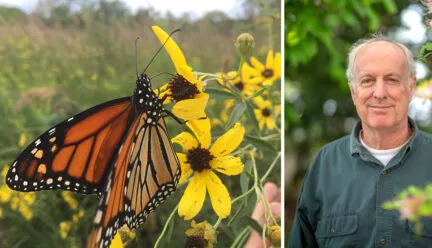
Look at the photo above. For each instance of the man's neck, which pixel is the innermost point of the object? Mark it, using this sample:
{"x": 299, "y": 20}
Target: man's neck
{"x": 383, "y": 139}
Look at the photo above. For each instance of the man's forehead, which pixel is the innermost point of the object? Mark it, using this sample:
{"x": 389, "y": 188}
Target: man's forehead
{"x": 380, "y": 52}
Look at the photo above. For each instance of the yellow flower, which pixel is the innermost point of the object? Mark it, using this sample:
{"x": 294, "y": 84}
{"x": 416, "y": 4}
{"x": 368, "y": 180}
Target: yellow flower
{"x": 77, "y": 216}
{"x": 25, "y": 211}
{"x": 67, "y": 196}
{"x": 200, "y": 235}
{"x": 269, "y": 72}
{"x": 200, "y": 161}
{"x": 5, "y": 193}
{"x": 242, "y": 82}
{"x": 22, "y": 141}
{"x": 65, "y": 227}
{"x": 265, "y": 113}
{"x": 116, "y": 242}
{"x": 185, "y": 89}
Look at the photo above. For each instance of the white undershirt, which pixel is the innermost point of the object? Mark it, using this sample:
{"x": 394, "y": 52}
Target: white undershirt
{"x": 383, "y": 155}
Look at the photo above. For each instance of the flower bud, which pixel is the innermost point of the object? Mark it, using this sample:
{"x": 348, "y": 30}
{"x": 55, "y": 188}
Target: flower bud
{"x": 244, "y": 43}
{"x": 200, "y": 235}
{"x": 274, "y": 235}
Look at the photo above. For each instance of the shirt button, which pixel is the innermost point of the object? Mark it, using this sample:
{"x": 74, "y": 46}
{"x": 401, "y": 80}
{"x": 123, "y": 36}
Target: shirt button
{"x": 384, "y": 172}
{"x": 332, "y": 230}
{"x": 383, "y": 241}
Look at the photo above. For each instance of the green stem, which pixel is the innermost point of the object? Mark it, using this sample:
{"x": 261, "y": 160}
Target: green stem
{"x": 166, "y": 226}
{"x": 215, "y": 226}
{"x": 242, "y": 60}
{"x": 239, "y": 238}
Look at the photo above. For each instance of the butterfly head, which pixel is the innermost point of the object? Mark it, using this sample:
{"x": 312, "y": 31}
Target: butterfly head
{"x": 145, "y": 100}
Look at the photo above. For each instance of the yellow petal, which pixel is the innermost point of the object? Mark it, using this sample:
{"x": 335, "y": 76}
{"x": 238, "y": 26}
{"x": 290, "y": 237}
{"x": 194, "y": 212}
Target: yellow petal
{"x": 185, "y": 140}
{"x": 172, "y": 48}
{"x": 228, "y": 165}
{"x": 255, "y": 63}
{"x": 186, "y": 169}
{"x": 268, "y": 82}
{"x": 228, "y": 142}
{"x": 193, "y": 198}
{"x": 116, "y": 242}
{"x": 191, "y": 109}
{"x": 277, "y": 65}
{"x": 201, "y": 129}
{"x": 270, "y": 123}
{"x": 269, "y": 60}
{"x": 261, "y": 123}
{"x": 259, "y": 101}
{"x": 186, "y": 72}
{"x": 218, "y": 193}
{"x": 255, "y": 80}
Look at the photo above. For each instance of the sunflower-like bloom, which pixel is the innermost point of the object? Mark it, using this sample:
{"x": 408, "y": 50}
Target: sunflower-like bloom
{"x": 266, "y": 113}
{"x": 185, "y": 89}
{"x": 243, "y": 81}
{"x": 200, "y": 161}
{"x": 269, "y": 72}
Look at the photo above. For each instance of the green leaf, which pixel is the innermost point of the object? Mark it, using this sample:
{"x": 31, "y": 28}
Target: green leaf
{"x": 260, "y": 92}
{"x": 260, "y": 144}
{"x": 390, "y": 6}
{"x": 237, "y": 112}
{"x": 252, "y": 117}
{"x": 425, "y": 51}
{"x": 220, "y": 94}
{"x": 244, "y": 179}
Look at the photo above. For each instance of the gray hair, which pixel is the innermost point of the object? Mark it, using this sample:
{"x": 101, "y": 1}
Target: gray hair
{"x": 362, "y": 42}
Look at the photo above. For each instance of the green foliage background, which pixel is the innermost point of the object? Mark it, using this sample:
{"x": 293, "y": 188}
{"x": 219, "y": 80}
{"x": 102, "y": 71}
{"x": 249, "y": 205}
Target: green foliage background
{"x": 318, "y": 35}
{"x": 57, "y": 62}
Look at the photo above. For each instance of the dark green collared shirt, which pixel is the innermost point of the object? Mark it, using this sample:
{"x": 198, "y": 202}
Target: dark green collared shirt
{"x": 342, "y": 194}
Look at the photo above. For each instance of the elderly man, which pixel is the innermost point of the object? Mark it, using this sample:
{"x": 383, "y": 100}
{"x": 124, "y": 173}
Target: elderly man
{"x": 340, "y": 203}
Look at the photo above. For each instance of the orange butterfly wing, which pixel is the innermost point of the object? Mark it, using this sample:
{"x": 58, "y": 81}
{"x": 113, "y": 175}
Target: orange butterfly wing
{"x": 74, "y": 155}
{"x": 146, "y": 173}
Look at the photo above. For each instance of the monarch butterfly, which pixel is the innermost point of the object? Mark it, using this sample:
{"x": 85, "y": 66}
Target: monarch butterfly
{"x": 119, "y": 150}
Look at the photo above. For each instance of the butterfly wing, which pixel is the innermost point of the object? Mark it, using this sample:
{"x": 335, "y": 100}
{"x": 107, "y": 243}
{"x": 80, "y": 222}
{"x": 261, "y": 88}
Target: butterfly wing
{"x": 146, "y": 172}
{"x": 75, "y": 154}
{"x": 153, "y": 173}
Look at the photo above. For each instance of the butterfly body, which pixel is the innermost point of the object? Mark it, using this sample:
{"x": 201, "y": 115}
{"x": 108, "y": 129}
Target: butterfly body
{"x": 119, "y": 150}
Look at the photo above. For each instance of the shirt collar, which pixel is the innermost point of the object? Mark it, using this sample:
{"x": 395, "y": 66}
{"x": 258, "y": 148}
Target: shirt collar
{"x": 357, "y": 148}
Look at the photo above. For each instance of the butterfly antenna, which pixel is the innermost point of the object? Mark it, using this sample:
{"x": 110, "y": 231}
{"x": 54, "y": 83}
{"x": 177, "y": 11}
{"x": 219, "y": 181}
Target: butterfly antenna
{"x": 136, "y": 55}
{"x": 157, "y": 52}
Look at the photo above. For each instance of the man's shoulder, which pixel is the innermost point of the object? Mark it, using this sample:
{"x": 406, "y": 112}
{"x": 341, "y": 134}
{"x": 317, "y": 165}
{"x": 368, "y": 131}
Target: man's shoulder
{"x": 424, "y": 138}
{"x": 340, "y": 145}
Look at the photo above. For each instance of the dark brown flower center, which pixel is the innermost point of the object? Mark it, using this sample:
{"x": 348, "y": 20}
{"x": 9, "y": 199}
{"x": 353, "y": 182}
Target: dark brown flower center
{"x": 195, "y": 242}
{"x": 266, "y": 112}
{"x": 182, "y": 89}
{"x": 199, "y": 158}
{"x": 239, "y": 85}
{"x": 268, "y": 73}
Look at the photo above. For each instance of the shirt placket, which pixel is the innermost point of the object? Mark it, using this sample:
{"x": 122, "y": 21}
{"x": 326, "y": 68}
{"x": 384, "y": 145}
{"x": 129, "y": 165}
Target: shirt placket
{"x": 384, "y": 192}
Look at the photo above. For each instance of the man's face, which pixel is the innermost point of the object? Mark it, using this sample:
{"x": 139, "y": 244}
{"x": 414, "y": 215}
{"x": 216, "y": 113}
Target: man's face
{"x": 381, "y": 91}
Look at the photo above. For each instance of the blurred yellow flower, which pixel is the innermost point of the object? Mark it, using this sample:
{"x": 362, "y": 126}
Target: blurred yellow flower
{"x": 266, "y": 113}
{"x": 243, "y": 81}
{"x": 185, "y": 89}
{"x": 22, "y": 141}
{"x": 18, "y": 201}
{"x": 200, "y": 161}
{"x": 77, "y": 216}
{"x": 65, "y": 227}
{"x": 269, "y": 72}
{"x": 67, "y": 196}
